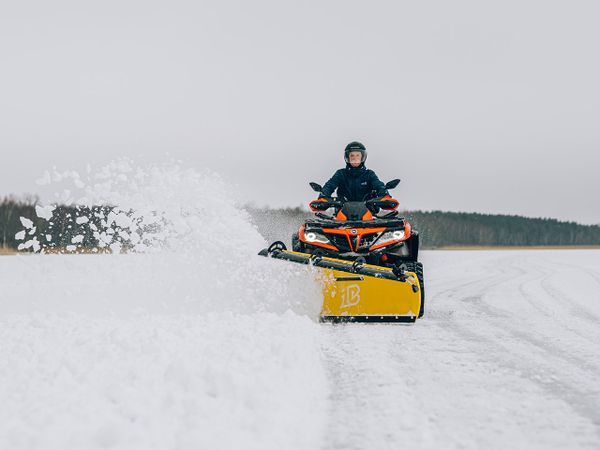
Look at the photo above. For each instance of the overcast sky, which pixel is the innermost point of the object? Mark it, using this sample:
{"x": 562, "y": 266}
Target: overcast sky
{"x": 475, "y": 105}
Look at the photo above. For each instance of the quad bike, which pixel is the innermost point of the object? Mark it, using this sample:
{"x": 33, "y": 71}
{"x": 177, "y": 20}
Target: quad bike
{"x": 370, "y": 261}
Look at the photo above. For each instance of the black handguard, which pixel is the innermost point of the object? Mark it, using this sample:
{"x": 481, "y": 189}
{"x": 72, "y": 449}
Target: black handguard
{"x": 378, "y": 203}
{"x": 320, "y": 205}
{"x": 388, "y": 203}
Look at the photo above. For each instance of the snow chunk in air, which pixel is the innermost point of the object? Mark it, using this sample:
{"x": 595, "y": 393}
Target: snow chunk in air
{"x": 44, "y": 212}
{"x": 27, "y": 223}
{"x": 33, "y": 243}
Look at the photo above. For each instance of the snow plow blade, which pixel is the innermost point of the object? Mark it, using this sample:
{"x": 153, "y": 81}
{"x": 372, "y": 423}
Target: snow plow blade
{"x": 356, "y": 292}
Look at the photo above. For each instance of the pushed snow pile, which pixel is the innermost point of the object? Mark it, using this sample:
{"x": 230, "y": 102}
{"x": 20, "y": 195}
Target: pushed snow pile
{"x": 179, "y": 337}
{"x": 160, "y": 381}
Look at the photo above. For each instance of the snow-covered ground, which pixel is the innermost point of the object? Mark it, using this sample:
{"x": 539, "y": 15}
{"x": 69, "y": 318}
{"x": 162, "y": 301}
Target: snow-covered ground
{"x": 100, "y": 352}
{"x": 200, "y": 343}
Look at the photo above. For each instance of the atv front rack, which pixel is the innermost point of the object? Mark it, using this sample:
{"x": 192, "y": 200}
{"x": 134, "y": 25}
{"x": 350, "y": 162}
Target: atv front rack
{"x": 380, "y": 222}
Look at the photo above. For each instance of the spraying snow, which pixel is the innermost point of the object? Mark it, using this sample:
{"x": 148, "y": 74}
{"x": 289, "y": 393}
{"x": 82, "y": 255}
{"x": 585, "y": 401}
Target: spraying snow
{"x": 191, "y": 248}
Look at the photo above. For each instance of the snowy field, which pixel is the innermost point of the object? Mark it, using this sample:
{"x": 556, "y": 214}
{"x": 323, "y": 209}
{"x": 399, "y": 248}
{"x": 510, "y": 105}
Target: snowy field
{"x": 136, "y": 352}
{"x": 195, "y": 342}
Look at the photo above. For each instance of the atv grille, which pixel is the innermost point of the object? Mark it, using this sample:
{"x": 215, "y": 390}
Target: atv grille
{"x": 341, "y": 242}
{"x": 368, "y": 240}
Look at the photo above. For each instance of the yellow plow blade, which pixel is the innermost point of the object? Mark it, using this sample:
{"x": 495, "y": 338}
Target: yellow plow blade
{"x": 362, "y": 298}
{"x": 354, "y": 292}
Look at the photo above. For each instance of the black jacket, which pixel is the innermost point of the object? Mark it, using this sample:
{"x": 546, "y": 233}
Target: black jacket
{"x": 354, "y": 184}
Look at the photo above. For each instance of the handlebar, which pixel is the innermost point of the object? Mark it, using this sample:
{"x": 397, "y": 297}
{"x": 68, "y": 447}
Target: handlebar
{"x": 323, "y": 204}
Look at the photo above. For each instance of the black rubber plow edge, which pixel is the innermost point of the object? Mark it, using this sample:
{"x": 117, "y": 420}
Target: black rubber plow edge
{"x": 368, "y": 319}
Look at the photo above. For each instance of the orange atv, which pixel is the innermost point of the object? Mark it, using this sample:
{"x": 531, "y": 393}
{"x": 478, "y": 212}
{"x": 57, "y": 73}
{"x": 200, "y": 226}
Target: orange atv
{"x": 367, "y": 263}
{"x": 356, "y": 231}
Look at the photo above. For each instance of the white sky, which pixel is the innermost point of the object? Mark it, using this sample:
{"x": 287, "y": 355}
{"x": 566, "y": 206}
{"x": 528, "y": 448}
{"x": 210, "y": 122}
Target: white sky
{"x": 476, "y": 106}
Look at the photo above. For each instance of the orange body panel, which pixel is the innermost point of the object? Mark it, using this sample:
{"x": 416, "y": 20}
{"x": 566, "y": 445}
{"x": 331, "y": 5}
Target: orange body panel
{"x": 341, "y": 217}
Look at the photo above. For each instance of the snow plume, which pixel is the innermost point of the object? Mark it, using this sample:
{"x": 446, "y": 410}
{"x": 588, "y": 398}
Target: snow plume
{"x": 127, "y": 207}
{"x": 189, "y": 247}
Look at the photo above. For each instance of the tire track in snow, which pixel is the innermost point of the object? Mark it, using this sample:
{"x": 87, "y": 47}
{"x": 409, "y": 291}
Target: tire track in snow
{"x": 480, "y": 303}
{"x": 544, "y": 344}
{"x": 542, "y": 374}
{"x": 454, "y": 291}
{"x": 583, "y": 401}
{"x": 577, "y": 309}
{"x": 498, "y": 314}
{"x": 371, "y": 405}
{"x": 592, "y": 273}
{"x": 538, "y": 304}
{"x": 531, "y": 299}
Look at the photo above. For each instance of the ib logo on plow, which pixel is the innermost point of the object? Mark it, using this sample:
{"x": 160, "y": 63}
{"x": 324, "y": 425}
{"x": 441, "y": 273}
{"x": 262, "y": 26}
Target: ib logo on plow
{"x": 350, "y": 296}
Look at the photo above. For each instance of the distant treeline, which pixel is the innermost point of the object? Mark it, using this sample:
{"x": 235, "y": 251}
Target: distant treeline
{"x": 437, "y": 228}
{"x": 445, "y": 229}
{"x": 440, "y": 229}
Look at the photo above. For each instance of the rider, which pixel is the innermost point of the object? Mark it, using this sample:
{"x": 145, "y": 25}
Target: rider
{"x": 355, "y": 181}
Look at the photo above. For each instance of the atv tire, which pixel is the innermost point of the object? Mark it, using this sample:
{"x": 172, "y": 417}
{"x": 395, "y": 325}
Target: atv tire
{"x": 417, "y": 268}
{"x": 413, "y": 247}
{"x": 296, "y": 244}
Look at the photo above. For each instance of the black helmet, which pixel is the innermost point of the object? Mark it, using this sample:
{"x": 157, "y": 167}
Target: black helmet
{"x": 355, "y": 147}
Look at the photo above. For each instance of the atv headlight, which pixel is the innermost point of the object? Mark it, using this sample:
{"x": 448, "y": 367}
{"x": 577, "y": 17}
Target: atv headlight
{"x": 389, "y": 236}
{"x": 313, "y": 236}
